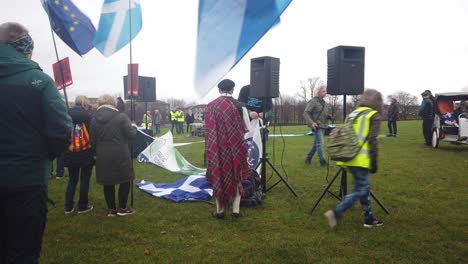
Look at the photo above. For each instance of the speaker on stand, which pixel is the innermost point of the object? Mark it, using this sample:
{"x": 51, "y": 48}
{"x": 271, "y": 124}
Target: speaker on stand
{"x": 264, "y": 82}
{"x": 345, "y": 72}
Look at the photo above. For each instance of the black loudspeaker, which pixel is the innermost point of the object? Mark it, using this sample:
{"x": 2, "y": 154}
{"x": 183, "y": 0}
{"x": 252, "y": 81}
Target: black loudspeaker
{"x": 140, "y": 142}
{"x": 264, "y": 77}
{"x": 345, "y": 71}
{"x": 146, "y": 89}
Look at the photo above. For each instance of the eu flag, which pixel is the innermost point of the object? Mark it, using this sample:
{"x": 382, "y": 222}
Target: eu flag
{"x": 71, "y": 25}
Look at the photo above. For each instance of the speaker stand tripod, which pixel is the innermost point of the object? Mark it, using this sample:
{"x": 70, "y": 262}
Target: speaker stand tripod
{"x": 264, "y": 161}
{"x": 343, "y": 191}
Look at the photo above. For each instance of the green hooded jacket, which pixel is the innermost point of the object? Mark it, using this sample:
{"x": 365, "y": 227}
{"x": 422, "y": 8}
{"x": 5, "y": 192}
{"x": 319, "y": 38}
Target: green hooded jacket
{"x": 317, "y": 110}
{"x": 34, "y": 121}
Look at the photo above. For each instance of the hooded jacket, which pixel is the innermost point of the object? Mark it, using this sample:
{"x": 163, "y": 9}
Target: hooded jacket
{"x": 111, "y": 132}
{"x": 34, "y": 121}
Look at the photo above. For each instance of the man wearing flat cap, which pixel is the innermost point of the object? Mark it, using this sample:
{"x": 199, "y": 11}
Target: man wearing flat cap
{"x": 426, "y": 112}
{"x": 226, "y": 122}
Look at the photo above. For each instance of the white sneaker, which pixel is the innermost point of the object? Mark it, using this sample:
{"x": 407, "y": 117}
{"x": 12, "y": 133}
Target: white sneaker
{"x": 330, "y": 215}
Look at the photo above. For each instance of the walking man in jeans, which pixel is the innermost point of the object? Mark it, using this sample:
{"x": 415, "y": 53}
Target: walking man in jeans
{"x": 316, "y": 115}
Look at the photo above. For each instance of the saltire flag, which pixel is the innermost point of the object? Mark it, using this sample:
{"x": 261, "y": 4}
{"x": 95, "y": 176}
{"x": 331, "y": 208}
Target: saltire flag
{"x": 190, "y": 188}
{"x": 227, "y": 30}
{"x": 70, "y": 24}
{"x": 120, "y": 22}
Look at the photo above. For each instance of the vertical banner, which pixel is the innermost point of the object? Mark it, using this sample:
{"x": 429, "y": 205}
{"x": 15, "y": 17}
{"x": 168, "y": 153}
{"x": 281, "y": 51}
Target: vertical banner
{"x": 132, "y": 80}
{"x": 62, "y": 73}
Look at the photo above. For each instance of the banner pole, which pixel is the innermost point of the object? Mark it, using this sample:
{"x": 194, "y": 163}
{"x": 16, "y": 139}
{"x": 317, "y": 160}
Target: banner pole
{"x": 57, "y": 56}
{"x": 132, "y": 106}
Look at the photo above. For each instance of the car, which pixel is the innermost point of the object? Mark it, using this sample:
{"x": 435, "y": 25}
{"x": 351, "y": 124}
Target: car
{"x": 450, "y": 125}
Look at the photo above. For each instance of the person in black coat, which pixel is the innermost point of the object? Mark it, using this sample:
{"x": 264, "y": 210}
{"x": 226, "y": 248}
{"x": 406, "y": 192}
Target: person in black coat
{"x": 79, "y": 158}
{"x": 426, "y": 112}
{"x": 111, "y": 132}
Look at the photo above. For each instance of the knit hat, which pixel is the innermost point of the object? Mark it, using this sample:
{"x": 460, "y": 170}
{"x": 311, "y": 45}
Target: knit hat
{"x": 226, "y": 85}
{"x": 426, "y": 93}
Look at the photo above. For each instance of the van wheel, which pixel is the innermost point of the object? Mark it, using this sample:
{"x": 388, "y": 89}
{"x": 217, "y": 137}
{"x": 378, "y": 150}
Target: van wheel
{"x": 435, "y": 138}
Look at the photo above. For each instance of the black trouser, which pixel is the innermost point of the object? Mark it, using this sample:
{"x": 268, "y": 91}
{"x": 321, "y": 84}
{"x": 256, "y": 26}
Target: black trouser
{"x": 109, "y": 194}
{"x": 174, "y": 124}
{"x": 23, "y": 216}
{"x": 427, "y": 131}
{"x": 392, "y": 127}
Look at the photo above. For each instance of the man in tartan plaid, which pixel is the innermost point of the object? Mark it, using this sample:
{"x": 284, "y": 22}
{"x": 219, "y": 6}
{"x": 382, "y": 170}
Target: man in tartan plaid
{"x": 225, "y": 149}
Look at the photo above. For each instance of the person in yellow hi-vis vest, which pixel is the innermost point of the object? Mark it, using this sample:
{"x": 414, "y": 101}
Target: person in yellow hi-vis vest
{"x": 180, "y": 120}
{"x": 147, "y": 120}
{"x": 367, "y": 128}
{"x": 173, "y": 117}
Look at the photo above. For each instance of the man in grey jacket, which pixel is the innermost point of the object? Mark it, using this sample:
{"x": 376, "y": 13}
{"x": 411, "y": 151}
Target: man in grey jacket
{"x": 316, "y": 115}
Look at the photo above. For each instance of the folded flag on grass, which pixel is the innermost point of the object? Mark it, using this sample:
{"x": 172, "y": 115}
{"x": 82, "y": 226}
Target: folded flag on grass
{"x": 190, "y": 188}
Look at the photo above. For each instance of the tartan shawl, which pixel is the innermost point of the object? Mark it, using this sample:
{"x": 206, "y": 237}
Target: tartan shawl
{"x": 225, "y": 149}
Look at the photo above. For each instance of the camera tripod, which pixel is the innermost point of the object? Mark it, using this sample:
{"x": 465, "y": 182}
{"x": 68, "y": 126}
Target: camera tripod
{"x": 264, "y": 161}
{"x": 343, "y": 191}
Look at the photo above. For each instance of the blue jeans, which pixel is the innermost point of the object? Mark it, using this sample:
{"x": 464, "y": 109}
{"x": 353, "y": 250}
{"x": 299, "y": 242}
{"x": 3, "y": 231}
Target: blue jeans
{"x": 157, "y": 128}
{"x": 59, "y": 170}
{"x": 74, "y": 174}
{"x": 318, "y": 145}
{"x": 361, "y": 192}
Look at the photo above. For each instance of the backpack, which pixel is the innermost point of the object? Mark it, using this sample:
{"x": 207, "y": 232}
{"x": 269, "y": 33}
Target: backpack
{"x": 253, "y": 194}
{"x": 343, "y": 143}
{"x": 80, "y": 138}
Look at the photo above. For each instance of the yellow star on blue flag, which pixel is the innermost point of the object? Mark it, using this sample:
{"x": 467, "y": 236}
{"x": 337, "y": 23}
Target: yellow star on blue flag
{"x": 71, "y": 25}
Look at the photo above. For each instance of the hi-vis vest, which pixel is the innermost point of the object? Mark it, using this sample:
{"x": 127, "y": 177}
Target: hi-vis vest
{"x": 179, "y": 115}
{"x": 173, "y": 116}
{"x": 362, "y": 128}
{"x": 145, "y": 118}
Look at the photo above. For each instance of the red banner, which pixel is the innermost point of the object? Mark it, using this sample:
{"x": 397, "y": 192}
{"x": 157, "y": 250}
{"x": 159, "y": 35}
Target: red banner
{"x": 132, "y": 80}
{"x": 62, "y": 73}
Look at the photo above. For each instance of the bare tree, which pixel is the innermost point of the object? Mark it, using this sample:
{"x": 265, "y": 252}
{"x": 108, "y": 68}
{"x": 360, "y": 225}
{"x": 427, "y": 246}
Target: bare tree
{"x": 407, "y": 103}
{"x": 289, "y": 109}
{"x": 335, "y": 104}
{"x": 174, "y": 103}
{"x": 307, "y": 88}
{"x": 302, "y": 94}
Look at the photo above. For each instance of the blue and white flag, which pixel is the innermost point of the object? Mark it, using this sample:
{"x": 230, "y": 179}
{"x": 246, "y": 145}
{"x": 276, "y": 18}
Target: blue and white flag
{"x": 190, "y": 188}
{"x": 227, "y": 30}
{"x": 120, "y": 22}
{"x": 70, "y": 24}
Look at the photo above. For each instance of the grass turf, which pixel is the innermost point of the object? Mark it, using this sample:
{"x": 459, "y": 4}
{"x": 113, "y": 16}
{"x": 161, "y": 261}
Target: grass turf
{"x": 424, "y": 188}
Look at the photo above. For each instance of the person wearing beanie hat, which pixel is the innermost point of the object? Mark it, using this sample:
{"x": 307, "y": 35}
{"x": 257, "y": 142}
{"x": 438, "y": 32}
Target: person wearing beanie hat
{"x": 225, "y": 149}
{"x": 39, "y": 130}
{"x": 426, "y": 112}
{"x": 226, "y": 85}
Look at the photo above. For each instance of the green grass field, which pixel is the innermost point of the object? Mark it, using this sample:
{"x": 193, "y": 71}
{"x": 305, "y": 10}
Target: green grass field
{"x": 424, "y": 188}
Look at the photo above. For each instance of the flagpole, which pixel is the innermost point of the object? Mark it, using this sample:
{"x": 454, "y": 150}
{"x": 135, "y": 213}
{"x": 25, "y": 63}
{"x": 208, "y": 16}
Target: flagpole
{"x": 57, "y": 56}
{"x": 132, "y": 106}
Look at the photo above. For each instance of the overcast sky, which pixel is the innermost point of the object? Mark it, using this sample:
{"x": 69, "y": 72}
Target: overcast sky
{"x": 410, "y": 45}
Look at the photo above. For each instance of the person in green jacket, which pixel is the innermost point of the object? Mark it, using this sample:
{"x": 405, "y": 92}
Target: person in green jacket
{"x": 316, "y": 115}
{"x": 36, "y": 128}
